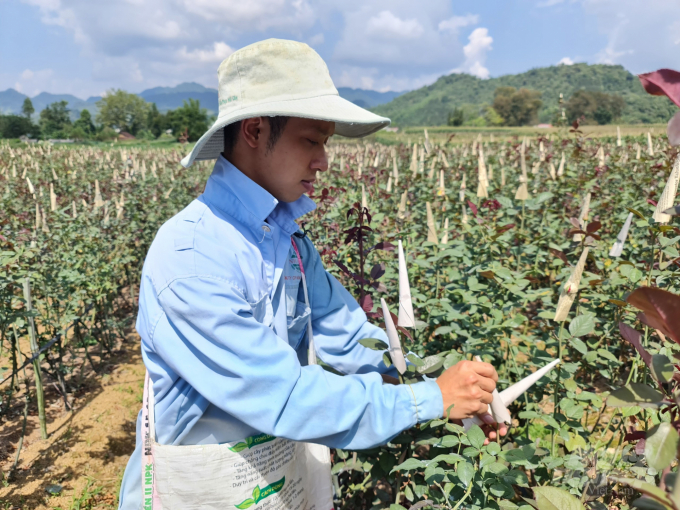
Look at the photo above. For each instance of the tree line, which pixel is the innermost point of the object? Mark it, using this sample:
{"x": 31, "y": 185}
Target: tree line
{"x": 519, "y": 107}
{"x": 118, "y": 112}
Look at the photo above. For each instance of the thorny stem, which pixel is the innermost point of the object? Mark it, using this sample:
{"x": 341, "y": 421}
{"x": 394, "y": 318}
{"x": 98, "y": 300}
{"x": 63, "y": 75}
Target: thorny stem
{"x": 557, "y": 382}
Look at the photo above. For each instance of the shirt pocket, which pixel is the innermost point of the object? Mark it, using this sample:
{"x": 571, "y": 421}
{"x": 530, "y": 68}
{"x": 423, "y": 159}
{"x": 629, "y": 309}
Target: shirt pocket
{"x": 263, "y": 311}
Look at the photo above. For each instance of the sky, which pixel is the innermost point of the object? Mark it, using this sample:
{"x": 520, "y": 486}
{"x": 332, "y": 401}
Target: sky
{"x": 86, "y": 47}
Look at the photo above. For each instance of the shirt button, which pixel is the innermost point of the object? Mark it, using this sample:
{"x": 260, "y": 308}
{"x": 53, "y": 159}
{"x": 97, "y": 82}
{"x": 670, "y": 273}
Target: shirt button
{"x": 266, "y": 228}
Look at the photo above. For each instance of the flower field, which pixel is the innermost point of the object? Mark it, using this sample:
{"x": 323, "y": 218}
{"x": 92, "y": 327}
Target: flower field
{"x": 514, "y": 253}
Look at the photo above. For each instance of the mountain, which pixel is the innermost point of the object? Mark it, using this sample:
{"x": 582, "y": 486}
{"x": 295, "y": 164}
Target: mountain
{"x": 167, "y": 98}
{"x": 431, "y": 105}
{"x": 367, "y": 98}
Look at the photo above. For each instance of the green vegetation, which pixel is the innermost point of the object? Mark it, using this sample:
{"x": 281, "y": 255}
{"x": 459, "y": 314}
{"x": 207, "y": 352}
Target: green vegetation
{"x": 517, "y": 107}
{"x": 118, "y": 111}
{"x": 490, "y": 288}
{"x": 432, "y": 105}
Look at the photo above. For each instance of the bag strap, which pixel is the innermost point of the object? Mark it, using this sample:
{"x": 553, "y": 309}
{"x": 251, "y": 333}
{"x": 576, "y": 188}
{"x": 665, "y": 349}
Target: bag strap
{"x": 311, "y": 353}
{"x": 148, "y": 438}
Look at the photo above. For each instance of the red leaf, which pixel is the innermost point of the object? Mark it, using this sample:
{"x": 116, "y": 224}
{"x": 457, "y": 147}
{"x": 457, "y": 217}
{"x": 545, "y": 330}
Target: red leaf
{"x": 633, "y": 337}
{"x": 659, "y": 306}
{"x": 652, "y": 323}
{"x": 384, "y": 245}
{"x": 473, "y": 208}
{"x": 377, "y": 271}
{"x": 652, "y": 202}
{"x": 575, "y": 222}
{"x": 505, "y": 228}
{"x": 560, "y": 255}
{"x": 640, "y": 446}
{"x": 635, "y": 436}
{"x": 664, "y": 82}
{"x": 366, "y": 303}
{"x": 593, "y": 226}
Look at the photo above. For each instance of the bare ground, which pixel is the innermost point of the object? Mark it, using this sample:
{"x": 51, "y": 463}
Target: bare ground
{"x": 87, "y": 448}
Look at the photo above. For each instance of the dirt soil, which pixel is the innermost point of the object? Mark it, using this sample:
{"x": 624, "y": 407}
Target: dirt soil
{"x": 87, "y": 448}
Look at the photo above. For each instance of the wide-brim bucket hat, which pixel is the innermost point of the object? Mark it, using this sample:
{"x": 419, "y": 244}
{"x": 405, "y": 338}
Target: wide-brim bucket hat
{"x": 280, "y": 77}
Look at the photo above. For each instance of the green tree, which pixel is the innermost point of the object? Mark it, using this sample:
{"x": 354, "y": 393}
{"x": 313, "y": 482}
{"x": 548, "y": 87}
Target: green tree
{"x": 27, "y": 108}
{"x": 190, "y": 117}
{"x": 156, "y": 122}
{"x": 122, "y": 110}
{"x": 594, "y": 106}
{"x": 55, "y": 121}
{"x": 84, "y": 123}
{"x": 517, "y": 107}
{"x": 456, "y": 117}
{"x": 14, "y": 126}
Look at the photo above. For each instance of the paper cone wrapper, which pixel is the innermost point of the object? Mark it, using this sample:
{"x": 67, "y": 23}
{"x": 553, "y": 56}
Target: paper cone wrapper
{"x": 389, "y": 184}
{"x": 570, "y": 289}
{"x": 396, "y": 353}
{"x": 364, "y": 202}
{"x": 650, "y": 147}
{"x": 431, "y": 228}
{"x": 583, "y": 217}
{"x": 617, "y": 249}
{"x": 401, "y": 214}
{"x": 445, "y": 237}
{"x": 668, "y": 195}
{"x": 618, "y": 136}
{"x": 522, "y": 192}
{"x": 406, "y": 315}
{"x": 482, "y": 192}
{"x": 509, "y": 395}
{"x": 553, "y": 174}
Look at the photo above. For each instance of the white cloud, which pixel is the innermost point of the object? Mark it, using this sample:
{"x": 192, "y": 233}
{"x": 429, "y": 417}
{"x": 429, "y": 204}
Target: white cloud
{"x": 641, "y": 36}
{"x": 475, "y": 53}
{"x": 455, "y": 23}
{"x": 387, "y": 25}
{"x": 566, "y": 61}
{"x": 316, "y": 39}
{"x": 217, "y": 54}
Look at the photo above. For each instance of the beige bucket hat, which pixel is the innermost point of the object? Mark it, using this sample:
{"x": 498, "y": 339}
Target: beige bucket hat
{"x": 280, "y": 77}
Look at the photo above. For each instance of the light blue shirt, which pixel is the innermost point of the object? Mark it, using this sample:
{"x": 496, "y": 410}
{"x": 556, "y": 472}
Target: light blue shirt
{"x": 222, "y": 320}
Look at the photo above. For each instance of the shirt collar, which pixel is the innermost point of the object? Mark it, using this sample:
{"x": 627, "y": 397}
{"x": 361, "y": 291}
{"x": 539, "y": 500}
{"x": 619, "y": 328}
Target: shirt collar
{"x": 233, "y": 192}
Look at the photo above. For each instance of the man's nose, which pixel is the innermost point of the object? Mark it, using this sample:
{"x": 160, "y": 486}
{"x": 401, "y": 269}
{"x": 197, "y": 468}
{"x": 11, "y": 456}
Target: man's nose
{"x": 320, "y": 164}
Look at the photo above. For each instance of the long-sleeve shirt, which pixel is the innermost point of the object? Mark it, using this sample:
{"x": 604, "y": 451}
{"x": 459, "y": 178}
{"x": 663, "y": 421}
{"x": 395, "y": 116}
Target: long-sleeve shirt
{"x": 222, "y": 320}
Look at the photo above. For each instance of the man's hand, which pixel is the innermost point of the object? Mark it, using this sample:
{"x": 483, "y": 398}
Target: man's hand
{"x": 468, "y": 385}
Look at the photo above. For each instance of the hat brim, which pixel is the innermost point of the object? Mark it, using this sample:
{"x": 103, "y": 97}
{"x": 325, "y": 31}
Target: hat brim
{"x": 350, "y": 120}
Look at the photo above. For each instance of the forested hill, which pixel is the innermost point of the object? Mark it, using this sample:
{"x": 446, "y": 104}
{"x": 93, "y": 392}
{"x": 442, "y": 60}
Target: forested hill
{"x": 431, "y": 105}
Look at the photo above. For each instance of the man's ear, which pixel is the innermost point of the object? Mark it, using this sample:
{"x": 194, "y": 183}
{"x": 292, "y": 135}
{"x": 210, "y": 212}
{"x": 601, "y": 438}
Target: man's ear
{"x": 255, "y": 131}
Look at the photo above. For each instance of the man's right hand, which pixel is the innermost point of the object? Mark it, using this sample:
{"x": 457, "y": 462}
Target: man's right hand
{"x": 468, "y": 385}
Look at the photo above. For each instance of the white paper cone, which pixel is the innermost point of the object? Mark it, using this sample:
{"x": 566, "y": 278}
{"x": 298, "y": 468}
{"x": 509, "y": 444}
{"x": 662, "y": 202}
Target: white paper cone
{"x": 406, "y": 315}
{"x": 617, "y": 249}
{"x": 583, "y": 217}
{"x": 509, "y": 395}
{"x": 668, "y": 195}
{"x": 570, "y": 289}
{"x": 431, "y": 227}
{"x": 396, "y": 353}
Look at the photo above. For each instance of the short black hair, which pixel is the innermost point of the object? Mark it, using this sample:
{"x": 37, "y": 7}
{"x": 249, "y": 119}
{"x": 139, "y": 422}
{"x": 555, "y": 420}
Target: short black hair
{"x": 276, "y": 127}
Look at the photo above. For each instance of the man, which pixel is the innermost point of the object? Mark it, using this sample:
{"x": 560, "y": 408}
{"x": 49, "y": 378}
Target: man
{"x": 222, "y": 315}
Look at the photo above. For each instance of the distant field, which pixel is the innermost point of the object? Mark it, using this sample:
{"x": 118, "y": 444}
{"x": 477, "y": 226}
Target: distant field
{"x": 468, "y": 133}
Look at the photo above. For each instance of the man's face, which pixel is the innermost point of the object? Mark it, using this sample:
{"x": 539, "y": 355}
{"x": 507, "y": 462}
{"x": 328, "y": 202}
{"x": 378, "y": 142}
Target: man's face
{"x": 289, "y": 169}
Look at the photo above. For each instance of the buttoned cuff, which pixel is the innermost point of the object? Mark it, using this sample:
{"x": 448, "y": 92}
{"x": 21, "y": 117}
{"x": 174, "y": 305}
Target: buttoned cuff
{"x": 426, "y": 399}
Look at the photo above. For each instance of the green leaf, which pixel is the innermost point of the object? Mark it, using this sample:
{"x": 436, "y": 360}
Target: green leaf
{"x": 636, "y": 213}
{"x": 582, "y": 325}
{"x": 643, "y": 487}
{"x": 409, "y": 464}
{"x": 374, "y": 344}
{"x": 579, "y": 345}
{"x": 246, "y": 504}
{"x": 635, "y": 394}
{"x": 662, "y": 368}
{"x": 476, "y": 437}
{"x": 431, "y": 364}
{"x": 465, "y": 472}
{"x": 661, "y": 446}
{"x": 493, "y": 448}
{"x": 414, "y": 359}
{"x": 552, "y": 498}
{"x": 394, "y": 506}
{"x": 647, "y": 503}
{"x": 238, "y": 447}
{"x": 256, "y": 493}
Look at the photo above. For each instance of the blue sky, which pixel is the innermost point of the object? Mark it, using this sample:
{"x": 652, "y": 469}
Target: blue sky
{"x": 85, "y": 47}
